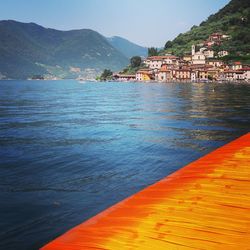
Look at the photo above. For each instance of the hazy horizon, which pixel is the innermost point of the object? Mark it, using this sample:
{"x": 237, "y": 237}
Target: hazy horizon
{"x": 138, "y": 21}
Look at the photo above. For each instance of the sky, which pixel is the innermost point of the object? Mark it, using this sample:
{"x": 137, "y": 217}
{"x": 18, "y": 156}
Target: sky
{"x": 145, "y": 22}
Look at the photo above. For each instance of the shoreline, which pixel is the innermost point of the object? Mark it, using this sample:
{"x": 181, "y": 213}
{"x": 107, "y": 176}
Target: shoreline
{"x": 134, "y": 81}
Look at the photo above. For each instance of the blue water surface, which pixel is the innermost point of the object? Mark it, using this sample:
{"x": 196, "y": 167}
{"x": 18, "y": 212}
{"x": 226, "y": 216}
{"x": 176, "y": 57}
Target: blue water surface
{"x": 68, "y": 150}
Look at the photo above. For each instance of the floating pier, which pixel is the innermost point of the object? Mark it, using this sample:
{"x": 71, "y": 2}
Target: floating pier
{"x": 205, "y": 205}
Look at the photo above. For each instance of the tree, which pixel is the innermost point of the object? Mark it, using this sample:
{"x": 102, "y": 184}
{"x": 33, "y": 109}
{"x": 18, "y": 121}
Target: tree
{"x": 37, "y": 77}
{"x": 152, "y": 51}
{"x": 135, "y": 61}
{"x": 168, "y": 45}
{"x": 209, "y": 77}
{"x": 106, "y": 75}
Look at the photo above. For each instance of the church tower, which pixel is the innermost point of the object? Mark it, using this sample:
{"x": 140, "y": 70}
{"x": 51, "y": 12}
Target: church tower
{"x": 193, "y": 49}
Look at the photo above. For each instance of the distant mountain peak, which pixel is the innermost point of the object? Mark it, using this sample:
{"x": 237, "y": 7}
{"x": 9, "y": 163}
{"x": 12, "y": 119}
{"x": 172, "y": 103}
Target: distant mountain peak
{"x": 127, "y": 47}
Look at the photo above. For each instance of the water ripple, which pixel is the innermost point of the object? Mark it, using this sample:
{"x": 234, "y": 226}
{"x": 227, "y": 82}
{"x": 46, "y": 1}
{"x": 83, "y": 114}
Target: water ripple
{"x": 70, "y": 150}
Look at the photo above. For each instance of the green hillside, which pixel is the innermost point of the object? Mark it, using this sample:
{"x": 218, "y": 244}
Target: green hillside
{"x": 232, "y": 20}
{"x": 28, "y": 49}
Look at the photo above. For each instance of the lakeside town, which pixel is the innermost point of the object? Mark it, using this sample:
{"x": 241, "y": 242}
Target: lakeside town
{"x": 203, "y": 64}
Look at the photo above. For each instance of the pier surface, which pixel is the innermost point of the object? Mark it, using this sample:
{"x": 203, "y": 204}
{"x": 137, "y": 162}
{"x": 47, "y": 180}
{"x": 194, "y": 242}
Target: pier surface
{"x": 205, "y": 205}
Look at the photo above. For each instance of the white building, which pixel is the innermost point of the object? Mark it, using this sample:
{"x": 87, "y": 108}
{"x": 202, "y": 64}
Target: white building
{"x": 237, "y": 65}
{"x": 208, "y": 53}
{"x": 144, "y": 75}
{"x": 193, "y": 76}
{"x": 198, "y": 57}
{"x": 163, "y": 75}
{"x": 246, "y": 73}
{"x": 215, "y": 63}
{"x": 155, "y": 62}
{"x": 222, "y": 53}
{"x": 234, "y": 75}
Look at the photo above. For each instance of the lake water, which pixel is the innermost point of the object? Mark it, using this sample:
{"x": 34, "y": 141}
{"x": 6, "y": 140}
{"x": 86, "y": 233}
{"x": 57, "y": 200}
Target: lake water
{"x": 69, "y": 150}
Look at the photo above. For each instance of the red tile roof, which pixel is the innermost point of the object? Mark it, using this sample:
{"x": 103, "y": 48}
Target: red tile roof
{"x": 164, "y": 70}
{"x": 162, "y": 57}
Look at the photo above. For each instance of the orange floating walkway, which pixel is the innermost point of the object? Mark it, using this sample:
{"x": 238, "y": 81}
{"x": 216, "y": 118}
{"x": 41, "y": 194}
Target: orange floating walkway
{"x": 205, "y": 205}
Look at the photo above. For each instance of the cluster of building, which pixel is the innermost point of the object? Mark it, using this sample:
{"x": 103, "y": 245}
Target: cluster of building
{"x": 202, "y": 65}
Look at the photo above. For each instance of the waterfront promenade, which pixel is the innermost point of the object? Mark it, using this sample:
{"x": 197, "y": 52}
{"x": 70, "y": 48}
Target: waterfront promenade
{"x": 205, "y": 205}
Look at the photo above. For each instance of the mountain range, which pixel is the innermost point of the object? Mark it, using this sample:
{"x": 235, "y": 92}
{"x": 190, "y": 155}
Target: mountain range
{"x": 28, "y": 49}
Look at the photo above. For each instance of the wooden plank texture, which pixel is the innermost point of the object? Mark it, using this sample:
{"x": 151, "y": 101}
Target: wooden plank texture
{"x": 205, "y": 205}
